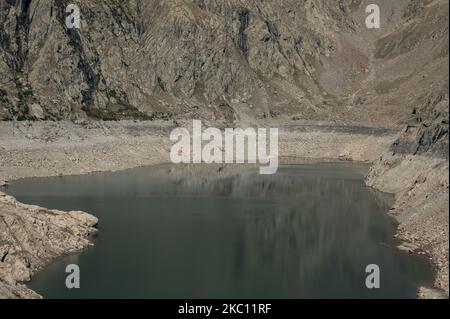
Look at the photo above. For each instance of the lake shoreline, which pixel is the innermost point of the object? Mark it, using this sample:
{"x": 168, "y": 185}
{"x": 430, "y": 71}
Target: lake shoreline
{"x": 79, "y": 149}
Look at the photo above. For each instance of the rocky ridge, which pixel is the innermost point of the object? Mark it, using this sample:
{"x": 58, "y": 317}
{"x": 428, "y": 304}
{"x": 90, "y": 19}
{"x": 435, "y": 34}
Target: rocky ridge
{"x": 227, "y": 60}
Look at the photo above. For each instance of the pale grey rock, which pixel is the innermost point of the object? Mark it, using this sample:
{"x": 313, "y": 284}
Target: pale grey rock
{"x": 431, "y": 293}
{"x": 32, "y": 236}
{"x": 36, "y": 111}
{"x": 421, "y": 186}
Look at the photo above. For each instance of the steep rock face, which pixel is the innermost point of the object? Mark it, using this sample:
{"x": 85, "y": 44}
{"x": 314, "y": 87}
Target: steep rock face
{"x": 427, "y": 131}
{"x": 221, "y": 60}
{"x": 153, "y": 58}
{"x": 422, "y": 41}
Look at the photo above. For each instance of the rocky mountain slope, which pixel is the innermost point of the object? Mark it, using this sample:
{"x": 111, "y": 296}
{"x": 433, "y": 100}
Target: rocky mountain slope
{"x": 223, "y": 60}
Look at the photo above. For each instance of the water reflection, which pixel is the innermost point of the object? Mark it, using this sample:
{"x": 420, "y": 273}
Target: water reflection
{"x": 206, "y": 232}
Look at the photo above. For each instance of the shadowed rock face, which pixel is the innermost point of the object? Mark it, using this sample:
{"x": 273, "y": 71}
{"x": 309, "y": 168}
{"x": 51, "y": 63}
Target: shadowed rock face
{"x": 226, "y": 60}
{"x": 427, "y": 131}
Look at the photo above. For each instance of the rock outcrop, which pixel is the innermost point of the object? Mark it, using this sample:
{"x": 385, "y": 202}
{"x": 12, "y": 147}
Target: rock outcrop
{"x": 421, "y": 186}
{"x": 31, "y": 236}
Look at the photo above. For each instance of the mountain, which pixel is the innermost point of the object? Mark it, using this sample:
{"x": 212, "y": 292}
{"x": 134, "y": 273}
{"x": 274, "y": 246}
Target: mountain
{"x": 223, "y": 60}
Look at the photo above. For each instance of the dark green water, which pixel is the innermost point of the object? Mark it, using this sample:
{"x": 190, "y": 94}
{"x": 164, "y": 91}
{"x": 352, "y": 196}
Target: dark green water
{"x": 189, "y": 232}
